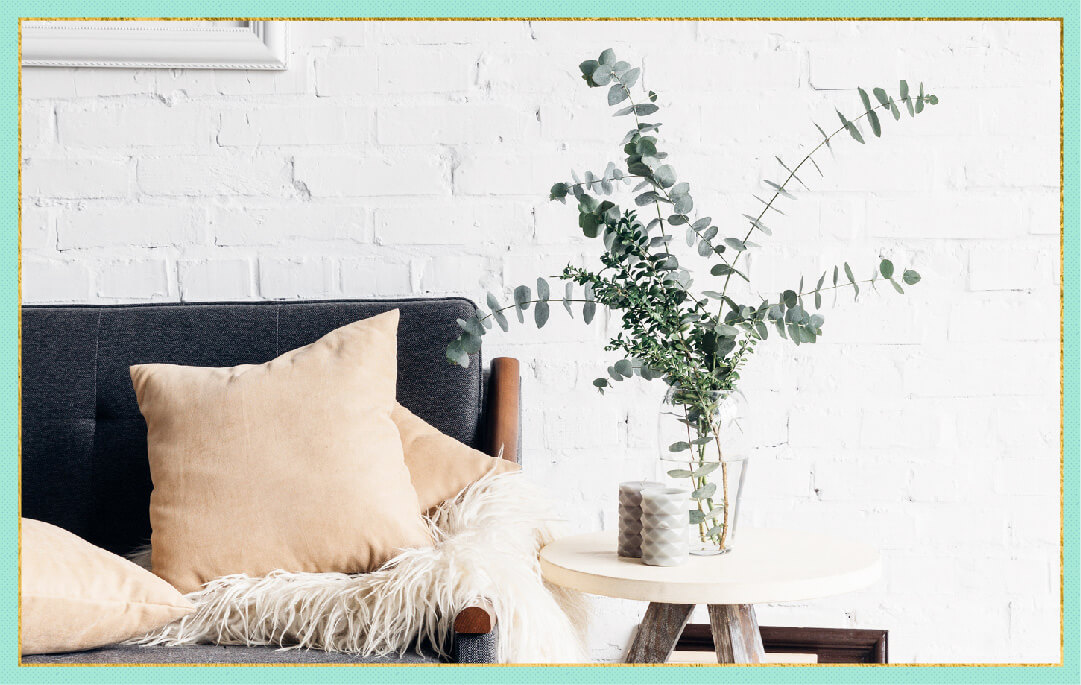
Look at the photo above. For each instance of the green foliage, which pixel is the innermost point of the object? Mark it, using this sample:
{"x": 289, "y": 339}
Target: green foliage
{"x": 695, "y": 340}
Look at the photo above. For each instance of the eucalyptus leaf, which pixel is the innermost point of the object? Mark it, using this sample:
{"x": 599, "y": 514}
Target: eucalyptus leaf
{"x": 679, "y": 473}
{"x": 540, "y": 314}
{"x": 472, "y": 326}
{"x": 885, "y": 267}
{"x": 665, "y": 175}
{"x": 876, "y": 126}
{"x": 910, "y": 277}
{"x": 851, "y": 128}
{"x": 780, "y": 190}
{"x": 521, "y": 299}
{"x": 680, "y": 446}
{"x": 617, "y": 94}
{"x": 704, "y": 492}
{"x": 457, "y": 354}
{"x": 706, "y": 469}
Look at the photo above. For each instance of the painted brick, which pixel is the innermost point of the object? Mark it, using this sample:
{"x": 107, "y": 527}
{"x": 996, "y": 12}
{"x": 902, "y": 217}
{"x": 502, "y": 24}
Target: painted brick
{"x": 396, "y": 173}
{"x": 426, "y": 70}
{"x": 303, "y": 124}
{"x": 366, "y": 278}
{"x": 1019, "y": 316}
{"x": 453, "y": 124}
{"x": 55, "y": 281}
{"x": 142, "y": 279}
{"x": 37, "y": 230}
{"x": 244, "y": 226}
{"x": 986, "y": 216}
{"x": 36, "y": 122}
{"x": 1044, "y": 214}
{"x": 39, "y": 83}
{"x": 735, "y": 67}
{"x": 76, "y": 178}
{"x": 346, "y": 74}
{"x": 452, "y": 224}
{"x": 153, "y": 124}
{"x": 294, "y": 278}
{"x": 458, "y": 275}
{"x": 119, "y": 226}
{"x": 981, "y": 369}
{"x": 200, "y": 176}
{"x": 1019, "y": 163}
{"x": 208, "y": 280}
{"x": 503, "y": 174}
{"x": 1015, "y": 266}
{"x": 105, "y": 82}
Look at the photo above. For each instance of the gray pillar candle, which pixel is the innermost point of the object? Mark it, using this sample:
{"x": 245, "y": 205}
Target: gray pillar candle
{"x": 630, "y": 516}
{"x": 665, "y": 526}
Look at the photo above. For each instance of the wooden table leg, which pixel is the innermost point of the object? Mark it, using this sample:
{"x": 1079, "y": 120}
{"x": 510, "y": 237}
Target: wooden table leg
{"x": 735, "y": 634}
{"x": 657, "y": 634}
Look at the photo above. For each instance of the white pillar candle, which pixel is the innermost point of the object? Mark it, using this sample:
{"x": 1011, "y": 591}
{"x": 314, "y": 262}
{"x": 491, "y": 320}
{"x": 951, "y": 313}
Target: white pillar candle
{"x": 664, "y": 526}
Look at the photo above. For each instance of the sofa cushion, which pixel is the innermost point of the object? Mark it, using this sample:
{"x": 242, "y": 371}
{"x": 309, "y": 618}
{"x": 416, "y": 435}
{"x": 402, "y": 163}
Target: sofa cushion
{"x": 84, "y": 448}
{"x": 74, "y": 595}
{"x": 439, "y": 465}
{"x": 292, "y": 464}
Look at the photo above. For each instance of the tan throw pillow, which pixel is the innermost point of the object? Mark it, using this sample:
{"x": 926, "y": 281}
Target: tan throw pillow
{"x": 440, "y": 465}
{"x": 294, "y": 464}
{"x": 77, "y": 596}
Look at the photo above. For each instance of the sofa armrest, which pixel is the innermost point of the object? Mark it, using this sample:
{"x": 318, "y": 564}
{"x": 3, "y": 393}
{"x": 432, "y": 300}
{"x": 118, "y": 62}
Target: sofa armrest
{"x": 504, "y": 409}
{"x": 475, "y": 637}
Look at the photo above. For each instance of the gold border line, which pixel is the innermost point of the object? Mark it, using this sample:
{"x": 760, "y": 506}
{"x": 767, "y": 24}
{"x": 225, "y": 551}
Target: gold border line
{"x": 1062, "y": 331}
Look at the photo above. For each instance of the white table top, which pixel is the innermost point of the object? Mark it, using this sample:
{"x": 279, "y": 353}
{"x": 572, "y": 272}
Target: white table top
{"x": 765, "y": 565}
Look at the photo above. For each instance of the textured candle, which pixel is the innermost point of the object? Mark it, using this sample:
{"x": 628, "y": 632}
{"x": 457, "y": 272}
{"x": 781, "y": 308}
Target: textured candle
{"x": 630, "y": 516}
{"x": 664, "y": 526}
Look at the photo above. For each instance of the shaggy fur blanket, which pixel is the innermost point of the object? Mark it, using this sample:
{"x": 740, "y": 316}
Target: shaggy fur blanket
{"x": 487, "y": 540}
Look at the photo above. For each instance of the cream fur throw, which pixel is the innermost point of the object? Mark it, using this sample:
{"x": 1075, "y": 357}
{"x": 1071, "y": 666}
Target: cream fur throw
{"x": 487, "y": 541}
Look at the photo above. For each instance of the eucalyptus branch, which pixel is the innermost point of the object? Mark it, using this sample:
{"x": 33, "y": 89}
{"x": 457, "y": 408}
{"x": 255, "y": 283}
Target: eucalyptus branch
{"x": 782, "y": 188}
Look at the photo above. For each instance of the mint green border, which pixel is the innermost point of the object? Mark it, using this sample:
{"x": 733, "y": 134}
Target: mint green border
{"x": 12, "y": 9}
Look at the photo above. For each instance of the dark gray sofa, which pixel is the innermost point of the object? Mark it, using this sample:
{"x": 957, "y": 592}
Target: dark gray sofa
{"x": 84, "y": 453}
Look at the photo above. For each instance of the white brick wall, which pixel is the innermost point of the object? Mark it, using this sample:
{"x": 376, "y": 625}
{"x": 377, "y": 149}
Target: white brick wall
{"x": 406, "y": 158}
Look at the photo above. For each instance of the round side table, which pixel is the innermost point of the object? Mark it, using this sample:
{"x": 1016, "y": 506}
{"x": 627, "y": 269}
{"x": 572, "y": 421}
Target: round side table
{"x": 765, "y": 565}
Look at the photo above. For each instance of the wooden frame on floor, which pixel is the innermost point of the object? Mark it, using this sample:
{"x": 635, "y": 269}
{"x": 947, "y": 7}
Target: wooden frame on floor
{"x": 829, "y": 645}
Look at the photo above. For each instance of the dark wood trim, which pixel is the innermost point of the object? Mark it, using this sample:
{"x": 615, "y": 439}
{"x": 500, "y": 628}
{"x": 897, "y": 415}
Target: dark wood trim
{"x": 831, "y": 645}
{"x": 475, "y": 620}
{"x": 504, "y": 392}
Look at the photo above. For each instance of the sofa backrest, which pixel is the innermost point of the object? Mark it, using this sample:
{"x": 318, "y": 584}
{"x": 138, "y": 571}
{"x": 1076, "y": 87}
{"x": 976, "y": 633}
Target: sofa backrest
{"x": 84, "y": 454}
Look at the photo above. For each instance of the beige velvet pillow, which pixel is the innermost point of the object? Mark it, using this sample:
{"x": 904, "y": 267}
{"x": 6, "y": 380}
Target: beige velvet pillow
{"x": 294, "y": 464}
{"x": 76, "y": 596}
{"x": 439, "y": 465}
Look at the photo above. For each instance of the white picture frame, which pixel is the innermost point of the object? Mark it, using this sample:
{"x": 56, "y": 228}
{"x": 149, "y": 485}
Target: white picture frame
{"x": 154, "y": 44}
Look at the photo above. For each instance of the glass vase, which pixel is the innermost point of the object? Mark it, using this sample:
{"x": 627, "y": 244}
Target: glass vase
{"x": 704, "y": 450}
